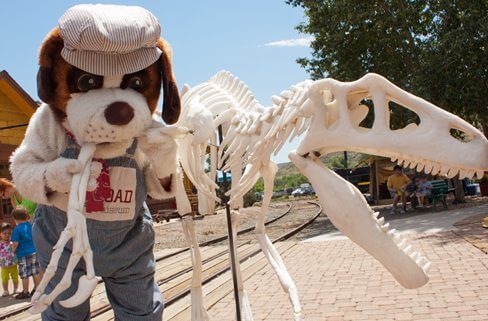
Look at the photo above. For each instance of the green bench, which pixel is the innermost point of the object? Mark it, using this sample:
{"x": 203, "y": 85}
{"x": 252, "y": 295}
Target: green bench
{"x": 438, "y": 193}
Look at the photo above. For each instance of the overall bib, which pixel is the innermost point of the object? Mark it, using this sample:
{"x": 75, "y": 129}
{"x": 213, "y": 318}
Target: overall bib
{"x": 121, "y": 238}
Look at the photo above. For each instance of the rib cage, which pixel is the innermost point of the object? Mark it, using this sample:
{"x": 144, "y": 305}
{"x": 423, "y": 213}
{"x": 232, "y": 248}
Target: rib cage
{"x": 262, "y": 131}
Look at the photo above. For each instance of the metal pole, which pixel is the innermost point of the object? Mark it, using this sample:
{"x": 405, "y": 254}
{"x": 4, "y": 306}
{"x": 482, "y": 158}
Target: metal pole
{"x": 232, "y": 254}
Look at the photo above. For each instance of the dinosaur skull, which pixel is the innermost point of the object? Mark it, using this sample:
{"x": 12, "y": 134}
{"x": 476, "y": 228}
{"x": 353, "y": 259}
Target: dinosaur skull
{"x": 337, "y": 113}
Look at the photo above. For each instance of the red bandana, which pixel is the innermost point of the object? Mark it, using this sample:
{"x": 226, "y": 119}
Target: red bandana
{"x": 95, "y": 199}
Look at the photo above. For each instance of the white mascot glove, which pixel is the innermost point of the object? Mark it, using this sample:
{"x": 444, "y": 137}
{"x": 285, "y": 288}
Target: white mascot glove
{"x": 59, "y": 174}
{"x": 95, "y": 170}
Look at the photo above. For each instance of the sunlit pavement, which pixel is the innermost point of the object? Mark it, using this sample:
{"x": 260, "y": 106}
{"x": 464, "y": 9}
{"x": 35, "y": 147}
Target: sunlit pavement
{"x": 337, "y": 280}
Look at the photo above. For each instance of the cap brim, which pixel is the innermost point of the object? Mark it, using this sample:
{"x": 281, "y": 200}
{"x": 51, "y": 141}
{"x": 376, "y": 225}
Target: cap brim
{"x": 108, "y": 64}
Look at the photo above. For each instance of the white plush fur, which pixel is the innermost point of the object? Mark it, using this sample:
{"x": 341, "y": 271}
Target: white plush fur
{"x": 112, "y": 81}
{"x": 85, "y": 115}
{"x": 42, "y": 176}
{"x": 44, "y": 141}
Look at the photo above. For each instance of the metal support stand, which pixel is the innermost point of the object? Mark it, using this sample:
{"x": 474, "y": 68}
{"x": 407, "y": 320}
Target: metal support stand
{"x": 232, "y": 254}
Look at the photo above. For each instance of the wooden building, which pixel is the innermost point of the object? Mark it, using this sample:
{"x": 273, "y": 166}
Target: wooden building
{"x": 16, "y": 108}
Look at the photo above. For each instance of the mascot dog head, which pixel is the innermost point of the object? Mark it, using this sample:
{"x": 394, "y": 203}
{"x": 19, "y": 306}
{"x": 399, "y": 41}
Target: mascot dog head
{"x": 101, "y": 72}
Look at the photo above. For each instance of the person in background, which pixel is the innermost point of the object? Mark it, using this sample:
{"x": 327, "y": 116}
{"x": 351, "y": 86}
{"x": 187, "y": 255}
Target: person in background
{"x": 8, "y": 261}
{"x": 397, "y": 185}
{"x": 423, "y": 189}
{"x": 25, "y": 251}
{"x": 7, "y": 189}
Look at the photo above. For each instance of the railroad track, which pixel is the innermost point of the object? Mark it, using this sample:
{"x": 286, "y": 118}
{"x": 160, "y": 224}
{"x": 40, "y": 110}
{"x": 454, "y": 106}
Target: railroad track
{"x": 212, "y": 269}
{"x": 19, "y": 311}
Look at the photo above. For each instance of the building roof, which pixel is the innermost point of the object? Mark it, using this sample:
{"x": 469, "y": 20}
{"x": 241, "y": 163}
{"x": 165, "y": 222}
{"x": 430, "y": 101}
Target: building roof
{"x": 15, "y": 93}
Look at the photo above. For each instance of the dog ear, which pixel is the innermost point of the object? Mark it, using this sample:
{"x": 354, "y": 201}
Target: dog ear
{"x": 171, "y": 104}
{"x": 49, "y": 52}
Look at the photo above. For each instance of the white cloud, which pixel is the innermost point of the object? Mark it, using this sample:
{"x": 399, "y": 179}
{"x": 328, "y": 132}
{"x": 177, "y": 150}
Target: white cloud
{"x": 299, "y": 42}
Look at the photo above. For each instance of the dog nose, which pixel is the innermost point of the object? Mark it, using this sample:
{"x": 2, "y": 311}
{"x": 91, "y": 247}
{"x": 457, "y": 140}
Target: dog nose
{"x": 119, "y": 113}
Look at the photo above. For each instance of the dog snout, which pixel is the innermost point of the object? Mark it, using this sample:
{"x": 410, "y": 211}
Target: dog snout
{"x": 119, "y": 113}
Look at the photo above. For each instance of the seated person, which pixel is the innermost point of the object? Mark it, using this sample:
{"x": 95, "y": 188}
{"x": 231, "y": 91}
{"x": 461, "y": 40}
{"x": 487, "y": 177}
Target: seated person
{"x": 423, "y": 189}
{"x": 397, "y": 185}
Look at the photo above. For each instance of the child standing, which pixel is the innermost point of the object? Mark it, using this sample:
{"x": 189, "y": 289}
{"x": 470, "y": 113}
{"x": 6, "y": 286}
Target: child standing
{"x": 25, "y": 251}
{"x": 7, "y": 259}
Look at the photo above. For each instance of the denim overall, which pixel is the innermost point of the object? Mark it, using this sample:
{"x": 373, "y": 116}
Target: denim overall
{"x": 122, "y": 242}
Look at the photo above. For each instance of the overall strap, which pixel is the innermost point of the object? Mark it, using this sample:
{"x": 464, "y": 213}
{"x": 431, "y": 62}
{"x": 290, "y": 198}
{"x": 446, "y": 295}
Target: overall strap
{"x": 132, "y": 149}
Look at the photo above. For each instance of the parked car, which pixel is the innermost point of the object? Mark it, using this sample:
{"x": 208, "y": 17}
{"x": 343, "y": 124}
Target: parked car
{"x": 259, "y": 196}
{"x": 297, "y": 192}
{"x": 279, "y": 194}
{"x": 302, "y": 191}
{"x": 309, "y": 190}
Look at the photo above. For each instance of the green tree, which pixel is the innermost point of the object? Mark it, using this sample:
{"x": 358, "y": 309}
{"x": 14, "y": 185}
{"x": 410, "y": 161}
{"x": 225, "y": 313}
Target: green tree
{"x": 435, "y": 49}
{"x": 432, "y": 48}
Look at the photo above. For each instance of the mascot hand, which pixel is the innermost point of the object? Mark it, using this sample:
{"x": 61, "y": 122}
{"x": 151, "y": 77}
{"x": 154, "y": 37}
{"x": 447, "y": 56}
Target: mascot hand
{"x": 160, "y": 150}
{"x": 157, "y": 138}
{"x": 59, "y": 174}
{"x": 95, "y": 170}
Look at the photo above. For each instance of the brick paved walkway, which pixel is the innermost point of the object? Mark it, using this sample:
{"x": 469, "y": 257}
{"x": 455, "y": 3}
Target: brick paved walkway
{"x": 337, "y": 280}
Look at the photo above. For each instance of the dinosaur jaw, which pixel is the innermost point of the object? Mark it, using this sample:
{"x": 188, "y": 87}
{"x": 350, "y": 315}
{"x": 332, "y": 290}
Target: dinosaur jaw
{"x": 348, "y": 211}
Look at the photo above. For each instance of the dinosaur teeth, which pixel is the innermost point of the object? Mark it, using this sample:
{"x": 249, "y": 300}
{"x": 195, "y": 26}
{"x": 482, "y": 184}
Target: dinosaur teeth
{"x": 386, "y": 227}
{"x": 408, "y": 250}
{"x": 420, "y": 167}
{"x": 471, "y": 173}
{"x": 396, "y": 238}
{"x": 381, "y": 220}
{"x": 375, "y": 214}
{"x": 452, "y": 172}
{"x": 428, "y": 168}
{"x": 402, "y": 244}
{"x": 444, "y": 169}
{"x": 393, "y": 159}
{"x": 423, "y": 261}
{"x": 426, "y": 266}
{"x": 436, "y": 169}
{"x": 480, "y": 174}
{"x": 391, "y": 232}
{"x": 415, "y": 256}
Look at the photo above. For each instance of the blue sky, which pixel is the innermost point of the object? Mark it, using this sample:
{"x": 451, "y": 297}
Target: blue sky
{"x": 255, "y": 40}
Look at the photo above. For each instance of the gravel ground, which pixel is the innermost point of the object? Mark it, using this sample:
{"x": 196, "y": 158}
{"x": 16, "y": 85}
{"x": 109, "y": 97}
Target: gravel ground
{"x": 170, "y": 235}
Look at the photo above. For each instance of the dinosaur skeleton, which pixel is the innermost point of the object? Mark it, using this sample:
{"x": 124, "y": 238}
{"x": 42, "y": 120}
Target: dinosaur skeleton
{"x": 328, "y": 114}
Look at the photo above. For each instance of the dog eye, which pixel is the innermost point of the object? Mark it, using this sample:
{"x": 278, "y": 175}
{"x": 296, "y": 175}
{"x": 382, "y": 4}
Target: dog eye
{"x": 136, "y": 83}
{"x": 87, "y": 82}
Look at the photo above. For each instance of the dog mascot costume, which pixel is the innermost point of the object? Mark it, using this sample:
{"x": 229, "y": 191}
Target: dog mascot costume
{"x": 100, "y": 76}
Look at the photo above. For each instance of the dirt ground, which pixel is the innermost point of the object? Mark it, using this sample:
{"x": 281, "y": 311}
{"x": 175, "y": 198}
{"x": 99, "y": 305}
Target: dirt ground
{"x": 170, "y": 234}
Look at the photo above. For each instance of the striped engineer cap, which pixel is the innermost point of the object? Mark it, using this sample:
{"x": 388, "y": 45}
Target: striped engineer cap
{"x": 109, "y": 39}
